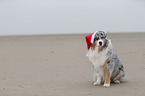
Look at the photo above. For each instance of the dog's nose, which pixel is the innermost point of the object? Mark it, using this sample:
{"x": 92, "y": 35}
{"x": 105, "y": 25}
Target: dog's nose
{"x": 100, "y": 43}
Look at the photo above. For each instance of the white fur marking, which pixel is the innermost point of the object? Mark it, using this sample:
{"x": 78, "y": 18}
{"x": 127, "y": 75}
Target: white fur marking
{"x": 100, "y": 41}
{"x": 98, "y": 60}
{"x": 106, "y": 85}
{"x": 97, "y": 83}
{"x": 93, "y": 36}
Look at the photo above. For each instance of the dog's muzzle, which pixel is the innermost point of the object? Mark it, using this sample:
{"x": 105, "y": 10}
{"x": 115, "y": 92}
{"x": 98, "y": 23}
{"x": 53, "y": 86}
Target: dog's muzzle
{"x": 100, "y": 43}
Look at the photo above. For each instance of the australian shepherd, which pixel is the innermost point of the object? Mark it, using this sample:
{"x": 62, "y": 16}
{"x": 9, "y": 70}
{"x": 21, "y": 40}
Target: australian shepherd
{"x": 108, "y": 67}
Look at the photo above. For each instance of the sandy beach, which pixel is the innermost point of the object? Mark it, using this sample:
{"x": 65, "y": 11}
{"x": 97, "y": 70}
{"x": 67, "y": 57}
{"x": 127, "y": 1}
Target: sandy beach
{"x": 56, "y": 65}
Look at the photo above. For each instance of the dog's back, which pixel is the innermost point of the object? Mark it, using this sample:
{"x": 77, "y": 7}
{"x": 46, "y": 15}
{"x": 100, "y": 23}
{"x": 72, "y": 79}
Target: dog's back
{"x": 117, "y": 66}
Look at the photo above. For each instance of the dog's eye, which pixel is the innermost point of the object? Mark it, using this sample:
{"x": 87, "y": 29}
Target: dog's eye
{"x": 96, "y": 38}
{"x": 108, "y": 61}
{"x": 102, "y": 37}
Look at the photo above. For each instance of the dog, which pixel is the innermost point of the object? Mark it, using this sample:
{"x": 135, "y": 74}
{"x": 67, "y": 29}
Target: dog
{"x": 108, "y": 68}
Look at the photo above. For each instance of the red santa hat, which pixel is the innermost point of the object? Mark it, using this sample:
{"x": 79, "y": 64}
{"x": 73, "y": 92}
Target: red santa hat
{"x": 90, "y": 40}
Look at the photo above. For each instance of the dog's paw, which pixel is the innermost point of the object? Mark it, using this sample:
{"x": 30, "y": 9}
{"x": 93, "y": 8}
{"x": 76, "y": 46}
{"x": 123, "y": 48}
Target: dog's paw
{"x": 96, "y": 83}
{"x": 117, "y": 82}
{"x": 106, "y": 85}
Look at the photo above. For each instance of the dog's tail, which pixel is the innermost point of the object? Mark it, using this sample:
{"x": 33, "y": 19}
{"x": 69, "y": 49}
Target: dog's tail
{"x": 123, "y": 79}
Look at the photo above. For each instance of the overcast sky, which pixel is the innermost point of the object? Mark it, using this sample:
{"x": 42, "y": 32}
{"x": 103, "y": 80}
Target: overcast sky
{"x": 71, "y": 16}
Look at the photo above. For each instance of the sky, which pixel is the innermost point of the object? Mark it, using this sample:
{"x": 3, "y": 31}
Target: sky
{"x": 22, "y": 17}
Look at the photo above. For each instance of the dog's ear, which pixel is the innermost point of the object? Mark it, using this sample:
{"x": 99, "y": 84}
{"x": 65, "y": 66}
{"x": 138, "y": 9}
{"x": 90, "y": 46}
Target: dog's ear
{"x": 105, "y": 34}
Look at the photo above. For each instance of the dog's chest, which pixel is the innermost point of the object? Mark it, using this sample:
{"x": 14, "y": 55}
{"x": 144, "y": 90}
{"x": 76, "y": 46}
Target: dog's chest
{"x": 97, "y": 59}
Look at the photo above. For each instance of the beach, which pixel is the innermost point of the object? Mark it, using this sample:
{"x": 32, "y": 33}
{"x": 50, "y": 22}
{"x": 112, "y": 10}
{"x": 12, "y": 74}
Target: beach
{"x": 56, "y": 65}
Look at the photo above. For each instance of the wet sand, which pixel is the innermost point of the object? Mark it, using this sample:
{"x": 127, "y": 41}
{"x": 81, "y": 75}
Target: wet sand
{"x": 56, "y": 65}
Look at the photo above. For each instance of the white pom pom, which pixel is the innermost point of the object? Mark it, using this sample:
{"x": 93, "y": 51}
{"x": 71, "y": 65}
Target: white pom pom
{"x": 86, "y": 55}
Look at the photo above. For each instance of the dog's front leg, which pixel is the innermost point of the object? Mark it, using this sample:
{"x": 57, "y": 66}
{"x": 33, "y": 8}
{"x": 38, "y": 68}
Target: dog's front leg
{"x": 98, "y": 80}
{"x": 107, "y": 77}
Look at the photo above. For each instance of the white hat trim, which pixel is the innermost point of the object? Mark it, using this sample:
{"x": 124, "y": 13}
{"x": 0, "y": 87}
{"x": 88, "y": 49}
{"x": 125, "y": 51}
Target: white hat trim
{"x": 92, "y": 38}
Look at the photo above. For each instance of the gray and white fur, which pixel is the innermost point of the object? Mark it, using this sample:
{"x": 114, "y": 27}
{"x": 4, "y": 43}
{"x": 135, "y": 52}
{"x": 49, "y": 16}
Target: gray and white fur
{"x": 113, "y": 66}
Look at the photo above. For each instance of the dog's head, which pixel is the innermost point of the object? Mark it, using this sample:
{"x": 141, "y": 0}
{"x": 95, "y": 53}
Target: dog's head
{"x": 100, "y": 39}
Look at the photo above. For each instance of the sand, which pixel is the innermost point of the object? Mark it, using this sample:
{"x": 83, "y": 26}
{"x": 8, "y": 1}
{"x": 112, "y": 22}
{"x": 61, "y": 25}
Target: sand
{"x": 56, "y": 65}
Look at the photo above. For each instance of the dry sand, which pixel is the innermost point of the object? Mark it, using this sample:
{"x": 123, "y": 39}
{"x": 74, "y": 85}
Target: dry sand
{"x": 56, "y": 65}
